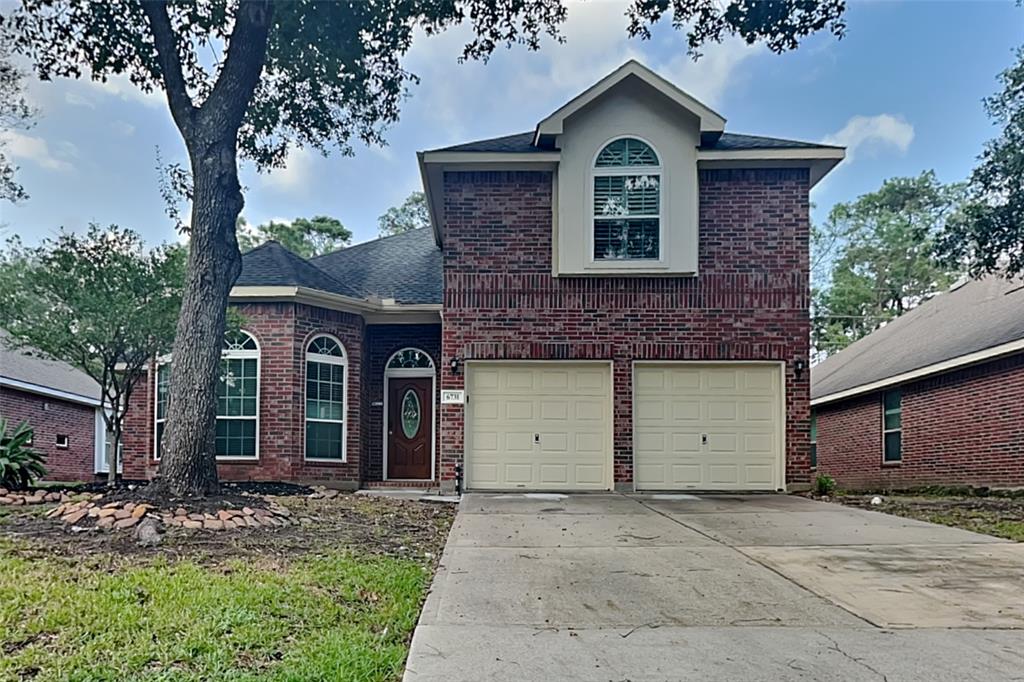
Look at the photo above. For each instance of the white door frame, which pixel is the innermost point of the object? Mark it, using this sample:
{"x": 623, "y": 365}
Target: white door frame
{"x": 413, "y": 373}
{"x": 780, "y": 468}
{"x": 609, "y": 439}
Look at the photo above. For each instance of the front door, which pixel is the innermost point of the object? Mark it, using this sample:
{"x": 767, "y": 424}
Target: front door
{"x": 410, "y": 427}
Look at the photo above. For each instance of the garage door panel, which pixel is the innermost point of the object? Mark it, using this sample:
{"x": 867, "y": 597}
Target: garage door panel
{"x": 552, "y": 423}
{"x": 736, "y": 407}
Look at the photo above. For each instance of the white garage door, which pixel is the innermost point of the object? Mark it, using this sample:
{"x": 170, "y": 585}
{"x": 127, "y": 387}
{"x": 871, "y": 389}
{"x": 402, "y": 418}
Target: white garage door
{"x": 707, "y": 427}
{"x": 538, "y": 426}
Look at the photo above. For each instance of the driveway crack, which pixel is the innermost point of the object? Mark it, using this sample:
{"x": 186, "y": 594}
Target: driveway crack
{"x": 839, "y": 650}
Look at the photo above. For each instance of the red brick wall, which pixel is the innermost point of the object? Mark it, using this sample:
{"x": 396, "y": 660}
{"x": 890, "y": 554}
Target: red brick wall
{"x": 959, "y": 428}
{"x": 282, "y": 331}
{"x": 749, "y": 302}
{"x": 49, "y": 417}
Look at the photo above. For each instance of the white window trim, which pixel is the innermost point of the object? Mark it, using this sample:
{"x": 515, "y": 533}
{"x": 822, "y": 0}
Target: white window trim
{"x": 225, "y": 354}
{"x": 411, "y": 372}
{"x": 885, "y": 431}
{"x": 57, "y": 441}
{"x": 618, "y": 171}
{"x": 328, "y": 360}
{"x": 812, "y": 438}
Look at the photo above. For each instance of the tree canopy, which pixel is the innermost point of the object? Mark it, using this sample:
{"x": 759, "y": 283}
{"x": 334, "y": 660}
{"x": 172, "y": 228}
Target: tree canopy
{"x": 15, "y": 112}
{"x": 988, "y": 236}
{"x": 875, "y": 258}
{"x": 100, "y": 301}
{"x": 409, "y": 215}
{"x": 307, "y": 237}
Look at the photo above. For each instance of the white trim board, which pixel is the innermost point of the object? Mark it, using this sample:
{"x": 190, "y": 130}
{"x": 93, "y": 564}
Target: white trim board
{"x": 922, "y": 372}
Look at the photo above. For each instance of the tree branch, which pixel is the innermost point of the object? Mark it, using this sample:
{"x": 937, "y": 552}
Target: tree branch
{"x": 166, "y": 45}
{"x": 243, "y": 64}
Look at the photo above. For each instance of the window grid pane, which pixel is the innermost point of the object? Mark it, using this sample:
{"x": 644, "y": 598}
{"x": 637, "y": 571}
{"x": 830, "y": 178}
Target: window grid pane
{"x": 325, "y": 410}
{"x": 629, "y": 239}
{"x": 324, "y": 440}
{"x": 892, "y": 424}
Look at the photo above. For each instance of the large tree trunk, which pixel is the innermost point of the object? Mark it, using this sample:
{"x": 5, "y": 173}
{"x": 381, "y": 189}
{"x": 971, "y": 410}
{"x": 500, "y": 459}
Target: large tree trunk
{"x": 188, "y": 465}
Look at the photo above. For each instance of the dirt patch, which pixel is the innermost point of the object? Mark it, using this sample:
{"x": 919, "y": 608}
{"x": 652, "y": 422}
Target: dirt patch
{"x": 372, "y": 525}
{"x": 1000, "y": 516}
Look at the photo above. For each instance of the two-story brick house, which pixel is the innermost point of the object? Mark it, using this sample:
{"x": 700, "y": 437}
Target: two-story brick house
{"x": 617, "y": 299}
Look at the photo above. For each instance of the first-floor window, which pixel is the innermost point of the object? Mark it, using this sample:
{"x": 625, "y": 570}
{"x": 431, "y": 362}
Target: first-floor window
{"x": 892, "y": 426}
{"x": 326, "y": 365}
{"x": 237, "y": 399}
{"x": 814, "y": 440}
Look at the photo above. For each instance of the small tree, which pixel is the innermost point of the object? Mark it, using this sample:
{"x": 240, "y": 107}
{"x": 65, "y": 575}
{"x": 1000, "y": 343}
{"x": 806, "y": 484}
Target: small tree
{"x": 307, "y": 237}
{"x": 100, "y": 302}
{"x": 409, "y": 215}
{"x": 989, "y": 235}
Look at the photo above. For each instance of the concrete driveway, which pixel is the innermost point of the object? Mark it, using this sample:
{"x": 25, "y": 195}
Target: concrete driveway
{"x": 676, "y": 587}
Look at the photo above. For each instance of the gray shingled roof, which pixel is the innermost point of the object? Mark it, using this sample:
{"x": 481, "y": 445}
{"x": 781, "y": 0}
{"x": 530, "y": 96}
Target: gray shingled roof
{"x": 30, "y": 366}
{"x": 975, "y": 316}
{"x": 522, "y": 143}
{"x": 271, "y": 264}
{"x": 405, "y": 267}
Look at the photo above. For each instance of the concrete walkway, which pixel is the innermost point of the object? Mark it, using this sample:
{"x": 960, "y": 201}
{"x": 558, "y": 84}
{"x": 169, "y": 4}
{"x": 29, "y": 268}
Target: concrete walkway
{"x": 677, "y": 587}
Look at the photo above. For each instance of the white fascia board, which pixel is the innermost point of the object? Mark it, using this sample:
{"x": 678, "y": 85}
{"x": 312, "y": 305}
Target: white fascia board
{"x": 926, "y": 371}
{"x": 326, "y": 299}
{"x": 710, "y": 120}
{"x": 49, "y": 392}
{"x": 808, "y": 154}
{"x": 490, "y": 158}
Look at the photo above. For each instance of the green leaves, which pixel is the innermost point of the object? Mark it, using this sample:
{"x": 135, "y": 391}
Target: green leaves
{"x": 307, "y": 237}
{"x": 988, "y": 236}
{"x": 409, "y": 215}
{"x": 20, "y": 465}
{"x": 876, "y": 258}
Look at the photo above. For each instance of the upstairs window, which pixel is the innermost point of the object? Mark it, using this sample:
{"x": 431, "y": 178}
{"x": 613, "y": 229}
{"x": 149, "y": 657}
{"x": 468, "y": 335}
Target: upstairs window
{"x": 627, "y": 202}
{"x": 892, "y": 427}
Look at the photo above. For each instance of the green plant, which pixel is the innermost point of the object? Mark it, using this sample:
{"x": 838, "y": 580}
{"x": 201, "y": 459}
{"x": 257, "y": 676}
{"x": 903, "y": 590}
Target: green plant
{"x": 19, "y": 463}
{"x": 824, "y": 484}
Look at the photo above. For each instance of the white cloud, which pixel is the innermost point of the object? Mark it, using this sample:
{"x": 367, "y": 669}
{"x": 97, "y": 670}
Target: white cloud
{"x": 123, "y": 128}
{"x": 36, "y": 150}
{"x": 870, "y": 134}
{"x": 74, "y": 99}
{"x": 122, "y": 87}
{"x": 297, "y": 172}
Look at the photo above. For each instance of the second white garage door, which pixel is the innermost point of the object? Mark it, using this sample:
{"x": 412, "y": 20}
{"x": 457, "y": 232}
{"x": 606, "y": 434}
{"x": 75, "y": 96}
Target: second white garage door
{"x": 707, "y": 427}
{"x": 538, "y": 426}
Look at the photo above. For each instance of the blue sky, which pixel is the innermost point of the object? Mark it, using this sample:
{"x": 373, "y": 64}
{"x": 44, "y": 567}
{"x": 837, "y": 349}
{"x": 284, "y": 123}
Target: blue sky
{"x": 903, "y": 91}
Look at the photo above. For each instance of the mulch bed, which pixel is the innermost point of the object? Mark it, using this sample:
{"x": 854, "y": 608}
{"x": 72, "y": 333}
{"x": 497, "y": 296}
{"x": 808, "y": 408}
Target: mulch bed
{"x": 365, "y": 524}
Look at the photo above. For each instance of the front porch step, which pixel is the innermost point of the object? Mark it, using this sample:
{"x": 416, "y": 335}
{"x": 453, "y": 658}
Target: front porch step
{"x": 418, "y": 485}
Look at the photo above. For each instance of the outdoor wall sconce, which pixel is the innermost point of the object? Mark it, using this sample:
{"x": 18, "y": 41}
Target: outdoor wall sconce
{"x": 798, "y": 368}
{"x": 454, "y": 364}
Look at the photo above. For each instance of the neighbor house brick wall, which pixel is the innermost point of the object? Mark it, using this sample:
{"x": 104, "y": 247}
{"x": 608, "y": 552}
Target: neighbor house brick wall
{"x": 50, "y": 417}
{"x": 282, "y": 331}
{"x": 749, "y": 302}
{"x": 959, "y": 428}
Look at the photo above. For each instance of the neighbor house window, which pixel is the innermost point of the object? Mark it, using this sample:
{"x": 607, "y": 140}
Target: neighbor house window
{"x": 163, "y": 384}
{"x": 627, "y": 202}
{"x": 238, "y": 397}
{"x": 326, "y": 376}
{"x": 814, "y": 440}
{"x": 62, "y": 441}
{"x": 892, "y": 426}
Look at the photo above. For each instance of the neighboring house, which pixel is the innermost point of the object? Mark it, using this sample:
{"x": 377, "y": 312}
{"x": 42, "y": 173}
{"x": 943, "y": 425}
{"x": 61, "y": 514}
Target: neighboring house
{"x": 62, "y": 405}
{"x": 933, "y": 397}
{"x": 617, "y": 299}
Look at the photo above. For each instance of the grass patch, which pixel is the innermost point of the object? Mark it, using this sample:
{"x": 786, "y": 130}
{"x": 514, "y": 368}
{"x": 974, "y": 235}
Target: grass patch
{"x": 332, "y": 617}
{"x": 1001, "y": 516}
{"x": 981, "y": 522}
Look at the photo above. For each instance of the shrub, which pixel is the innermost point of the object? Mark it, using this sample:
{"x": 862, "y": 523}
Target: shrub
{"x": 20, "y": 465}
{"x": 824, "y": 484}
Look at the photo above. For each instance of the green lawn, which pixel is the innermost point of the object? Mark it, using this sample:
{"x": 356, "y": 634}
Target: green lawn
{"x": 333, "y": 617}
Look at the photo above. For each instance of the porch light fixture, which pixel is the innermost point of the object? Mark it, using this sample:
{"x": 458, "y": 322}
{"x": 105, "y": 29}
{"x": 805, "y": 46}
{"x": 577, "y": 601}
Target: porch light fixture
{"x": 454, "y": 364}
{"x": 798, "y": 367}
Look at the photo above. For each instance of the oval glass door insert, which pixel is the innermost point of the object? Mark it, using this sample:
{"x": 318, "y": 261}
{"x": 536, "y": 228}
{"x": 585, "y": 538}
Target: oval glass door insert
{"x": 410, "y": 413}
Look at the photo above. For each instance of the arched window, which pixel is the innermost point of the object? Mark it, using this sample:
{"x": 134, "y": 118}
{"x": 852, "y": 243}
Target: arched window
{"x": 627, "y": 201}
{"x": 410, "y": 358}
{"x": 238, "y": 394}
{"x": 326, "y": 392}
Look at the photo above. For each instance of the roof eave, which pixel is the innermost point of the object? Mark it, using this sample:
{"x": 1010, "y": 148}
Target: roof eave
{"x": 958, "y": 362}
{"x": 330, "y": 300}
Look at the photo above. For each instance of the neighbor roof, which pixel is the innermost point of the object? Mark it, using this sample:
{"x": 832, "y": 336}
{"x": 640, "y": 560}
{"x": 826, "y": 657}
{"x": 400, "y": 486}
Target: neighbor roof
{"x": 982, "y": 315}
{"x": 29, "y": 366}
{"x": 522, "y": 143}
{"x": 405, "y": 267}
